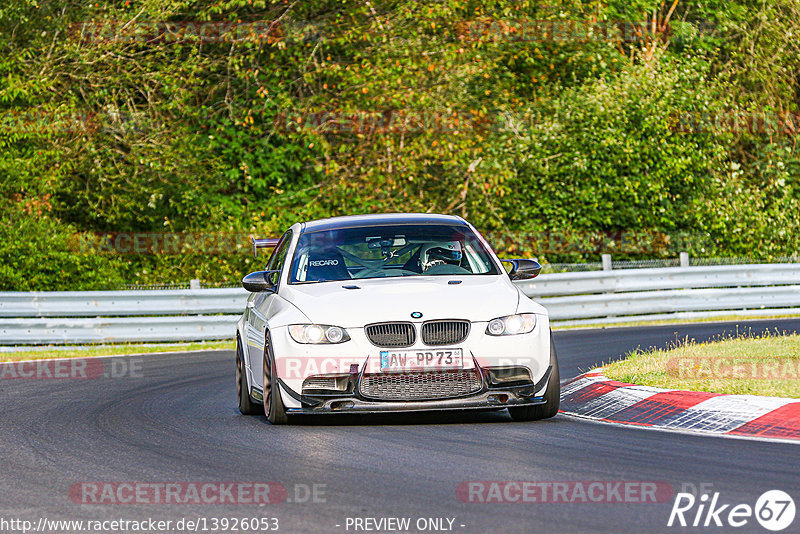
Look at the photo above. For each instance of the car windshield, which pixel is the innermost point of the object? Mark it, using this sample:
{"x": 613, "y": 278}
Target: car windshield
{"x": 389, "y": 251}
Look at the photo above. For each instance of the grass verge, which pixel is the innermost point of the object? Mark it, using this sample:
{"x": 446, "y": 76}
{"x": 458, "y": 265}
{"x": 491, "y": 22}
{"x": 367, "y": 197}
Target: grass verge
{"x": 112, "y": 350}
{"x": 767, "y": 365}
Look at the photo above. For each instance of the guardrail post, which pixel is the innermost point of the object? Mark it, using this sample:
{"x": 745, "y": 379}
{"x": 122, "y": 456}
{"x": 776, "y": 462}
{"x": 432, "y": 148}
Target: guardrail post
{"x": 684, "y": 259}
{"x": 606, "y": 259}
{"x": 194, "y": 284}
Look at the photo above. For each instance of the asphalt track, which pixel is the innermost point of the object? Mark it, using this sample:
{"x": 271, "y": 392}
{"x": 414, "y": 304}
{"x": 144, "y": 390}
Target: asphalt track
{"x": 175, "y": 420}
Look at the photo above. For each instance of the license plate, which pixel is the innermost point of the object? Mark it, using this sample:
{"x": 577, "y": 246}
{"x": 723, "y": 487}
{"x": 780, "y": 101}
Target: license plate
{"x": 401, "y": 360}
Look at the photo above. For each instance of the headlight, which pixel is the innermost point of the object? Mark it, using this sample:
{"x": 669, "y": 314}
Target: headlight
{"x": 318, "y": 333}
{"x": 511, "y": 325}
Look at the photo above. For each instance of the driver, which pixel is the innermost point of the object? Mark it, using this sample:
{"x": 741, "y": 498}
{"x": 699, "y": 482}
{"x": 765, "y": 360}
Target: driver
{"x": 440, "y": 253}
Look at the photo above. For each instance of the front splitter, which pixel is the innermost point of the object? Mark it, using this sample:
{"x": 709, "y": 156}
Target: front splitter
{"x": 487, "y": 400}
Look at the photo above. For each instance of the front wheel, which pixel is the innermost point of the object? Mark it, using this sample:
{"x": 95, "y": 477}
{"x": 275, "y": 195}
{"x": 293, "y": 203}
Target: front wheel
{"x": 246, "y": 404}
{"x": 552, "y": 395}
{"x": 273, "y": 405}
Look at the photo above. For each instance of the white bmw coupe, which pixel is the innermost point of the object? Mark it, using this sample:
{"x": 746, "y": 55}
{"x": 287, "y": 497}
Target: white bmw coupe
{"x": 392, "y": 313}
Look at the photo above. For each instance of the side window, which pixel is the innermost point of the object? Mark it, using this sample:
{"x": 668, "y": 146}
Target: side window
{"x": 279, "y": 256}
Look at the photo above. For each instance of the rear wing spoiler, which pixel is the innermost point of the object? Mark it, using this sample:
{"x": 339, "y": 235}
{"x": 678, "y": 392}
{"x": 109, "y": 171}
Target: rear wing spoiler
{"x": 263, "y": 243}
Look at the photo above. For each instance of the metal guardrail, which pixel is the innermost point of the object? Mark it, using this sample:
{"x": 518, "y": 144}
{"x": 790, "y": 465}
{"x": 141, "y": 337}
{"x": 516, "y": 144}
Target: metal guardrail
{"x": 578, "y": 283}
{"x": 36, "y": 331}
{"x": 121, "y": 303}
{"x": 607, "y": 297}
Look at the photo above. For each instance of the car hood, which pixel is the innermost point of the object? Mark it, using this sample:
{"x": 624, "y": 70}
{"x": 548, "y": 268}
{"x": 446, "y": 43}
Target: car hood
{"x": 476, "y": 298}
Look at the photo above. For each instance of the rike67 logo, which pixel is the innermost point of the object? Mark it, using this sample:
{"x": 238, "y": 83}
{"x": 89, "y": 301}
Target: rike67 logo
{"x": 774, "y": 510}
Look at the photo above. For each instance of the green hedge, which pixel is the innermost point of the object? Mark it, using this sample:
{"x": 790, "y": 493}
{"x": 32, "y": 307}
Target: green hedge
{"x": 466, "y": 107}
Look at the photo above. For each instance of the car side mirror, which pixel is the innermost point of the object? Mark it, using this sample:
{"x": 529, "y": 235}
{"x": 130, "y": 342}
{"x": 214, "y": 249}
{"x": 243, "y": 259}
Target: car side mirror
{"x": 523, "y": 269}
{"x": 259, "y": 281}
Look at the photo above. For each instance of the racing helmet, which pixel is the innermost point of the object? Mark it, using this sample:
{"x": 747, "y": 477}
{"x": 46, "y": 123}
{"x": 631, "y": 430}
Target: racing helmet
{"x": 440, "y": 252}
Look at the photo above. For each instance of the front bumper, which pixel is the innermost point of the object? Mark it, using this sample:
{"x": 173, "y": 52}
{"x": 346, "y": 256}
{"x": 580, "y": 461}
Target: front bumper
{"x": 297, "y": 362}
{"x": 487, "y": 398}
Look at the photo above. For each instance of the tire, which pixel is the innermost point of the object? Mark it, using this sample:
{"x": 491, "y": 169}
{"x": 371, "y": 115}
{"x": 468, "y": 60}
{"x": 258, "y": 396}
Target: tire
{"x": 246, "y": 404}
{"x": 552, "y": 395}
{"x": 273, "y": 405}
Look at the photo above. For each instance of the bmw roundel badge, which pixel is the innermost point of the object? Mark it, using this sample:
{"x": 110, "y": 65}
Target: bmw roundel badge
{"x": 416, "y": 315}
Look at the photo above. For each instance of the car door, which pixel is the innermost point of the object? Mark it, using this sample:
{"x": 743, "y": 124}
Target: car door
{"x": 258, "y": 311}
